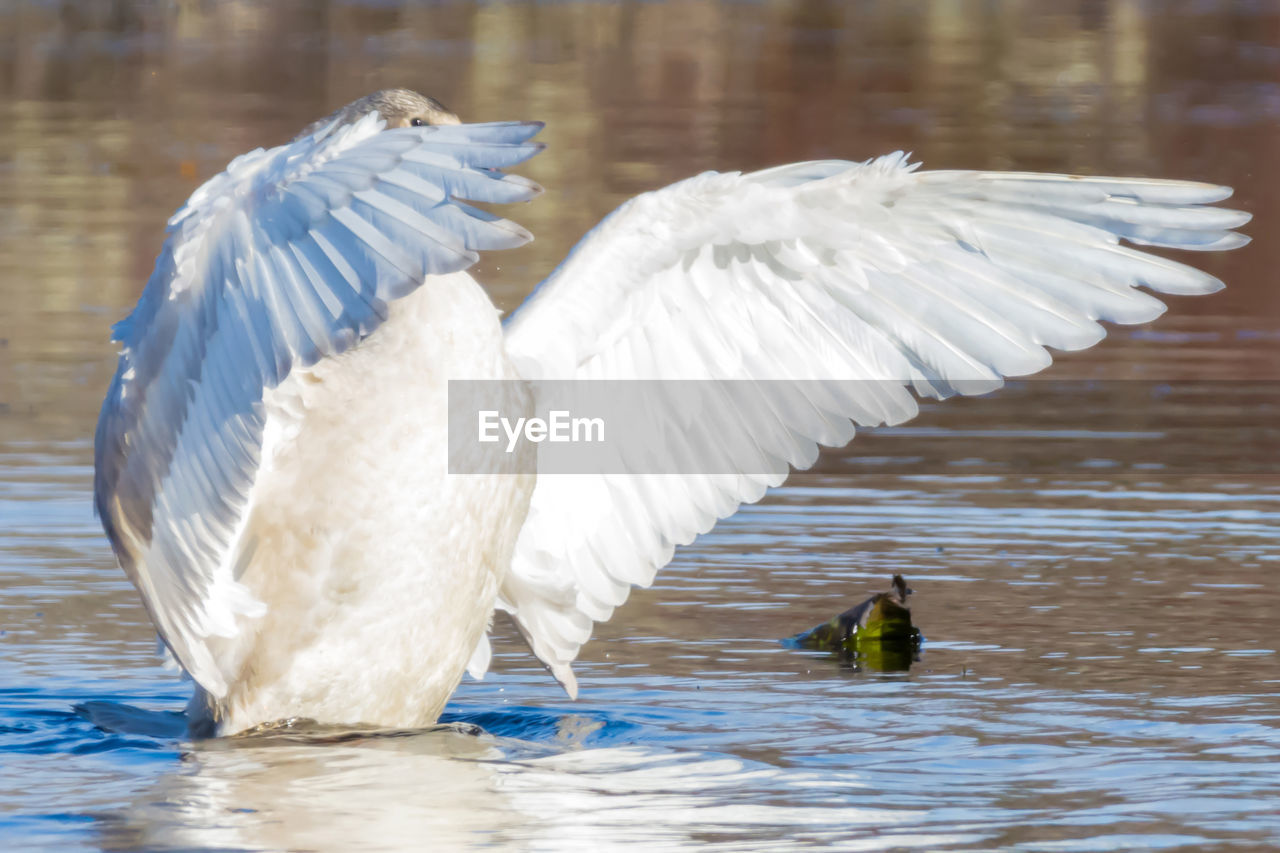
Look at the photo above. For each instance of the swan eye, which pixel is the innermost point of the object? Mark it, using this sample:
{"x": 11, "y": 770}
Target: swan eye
{"x": 416, "y": 122}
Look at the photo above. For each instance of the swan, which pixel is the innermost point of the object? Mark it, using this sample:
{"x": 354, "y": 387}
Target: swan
{"x": 270, "y": 458}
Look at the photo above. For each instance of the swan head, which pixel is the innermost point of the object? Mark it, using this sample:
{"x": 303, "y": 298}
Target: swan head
{"x": 398, "y": 107}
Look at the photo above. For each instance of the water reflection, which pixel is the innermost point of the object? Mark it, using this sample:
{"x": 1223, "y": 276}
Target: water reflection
{"x": 1099, "y": 595}
{"x": 452, "y": 791}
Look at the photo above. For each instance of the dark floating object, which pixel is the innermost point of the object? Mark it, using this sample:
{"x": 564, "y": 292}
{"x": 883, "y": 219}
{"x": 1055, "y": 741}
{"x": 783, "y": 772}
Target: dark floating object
{"x": 876, "y": 634}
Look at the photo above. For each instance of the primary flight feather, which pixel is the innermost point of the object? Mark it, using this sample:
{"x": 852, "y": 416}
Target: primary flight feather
{"x": 272, "y": 456}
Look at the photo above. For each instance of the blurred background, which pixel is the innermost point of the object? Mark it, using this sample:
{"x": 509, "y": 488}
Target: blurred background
{"x": 113, "y": 112}
{"x": 1094, "y": 562}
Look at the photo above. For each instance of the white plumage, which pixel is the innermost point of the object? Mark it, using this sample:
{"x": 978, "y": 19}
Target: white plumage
{"x": 271, "y": 457}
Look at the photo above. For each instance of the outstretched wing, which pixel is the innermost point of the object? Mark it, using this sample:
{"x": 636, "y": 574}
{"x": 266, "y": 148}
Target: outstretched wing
{"x": 289, "y": 256}
{"x": 939, "y": 282}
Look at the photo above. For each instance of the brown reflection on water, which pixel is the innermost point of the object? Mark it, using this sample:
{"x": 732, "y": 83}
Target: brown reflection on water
{"x": 1070, "y": 571}
{"x": 113, "y": 113}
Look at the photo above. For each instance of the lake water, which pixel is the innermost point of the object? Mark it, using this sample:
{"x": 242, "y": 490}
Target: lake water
{"x": 1094, "y": 552}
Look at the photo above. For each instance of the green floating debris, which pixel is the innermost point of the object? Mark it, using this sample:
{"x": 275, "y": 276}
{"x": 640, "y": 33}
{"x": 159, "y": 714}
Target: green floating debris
{"x": 877, "y": 633}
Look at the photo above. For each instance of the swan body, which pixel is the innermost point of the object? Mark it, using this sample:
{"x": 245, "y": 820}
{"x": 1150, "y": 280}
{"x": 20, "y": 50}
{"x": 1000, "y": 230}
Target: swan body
{"x": 272, "y": 462}
{"x": 367, "y": 551}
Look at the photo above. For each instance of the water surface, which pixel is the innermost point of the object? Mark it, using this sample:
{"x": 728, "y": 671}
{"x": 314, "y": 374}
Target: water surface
{"x": 1094, "y": 554}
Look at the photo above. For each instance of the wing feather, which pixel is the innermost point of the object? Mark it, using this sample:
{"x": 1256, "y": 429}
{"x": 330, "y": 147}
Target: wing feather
{"x": 289, "y": 256}
{"x": 815, "y": 273}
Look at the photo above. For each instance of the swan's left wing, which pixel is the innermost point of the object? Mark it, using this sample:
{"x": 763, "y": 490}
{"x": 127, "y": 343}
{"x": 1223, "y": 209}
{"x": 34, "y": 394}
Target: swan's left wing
{"x": 903, "y": 280}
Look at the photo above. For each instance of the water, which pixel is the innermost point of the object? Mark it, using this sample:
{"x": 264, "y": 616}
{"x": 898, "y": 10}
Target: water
{"x": 1094, "y": 555}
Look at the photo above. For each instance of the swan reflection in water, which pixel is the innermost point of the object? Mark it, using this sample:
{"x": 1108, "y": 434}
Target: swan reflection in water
{"x": 452, "y": 789}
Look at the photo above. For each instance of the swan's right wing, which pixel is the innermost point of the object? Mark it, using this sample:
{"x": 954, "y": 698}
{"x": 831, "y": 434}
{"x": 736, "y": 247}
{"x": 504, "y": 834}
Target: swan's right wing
{"x": 938, "y": 282}
{"x": 289, "y": 256}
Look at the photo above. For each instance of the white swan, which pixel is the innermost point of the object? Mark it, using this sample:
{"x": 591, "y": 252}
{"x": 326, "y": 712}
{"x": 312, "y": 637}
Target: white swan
{"x": 271, "y": 456}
